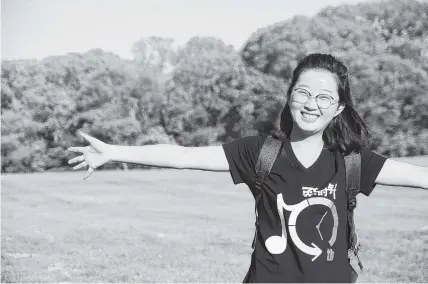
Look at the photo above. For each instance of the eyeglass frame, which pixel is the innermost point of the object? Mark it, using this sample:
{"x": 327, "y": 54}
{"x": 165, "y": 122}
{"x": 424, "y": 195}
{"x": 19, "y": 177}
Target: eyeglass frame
{"x": 309, "y": 95}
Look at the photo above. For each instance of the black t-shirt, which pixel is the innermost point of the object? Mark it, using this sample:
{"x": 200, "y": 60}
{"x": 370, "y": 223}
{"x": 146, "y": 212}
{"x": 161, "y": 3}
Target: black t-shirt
{"x": 302, "y": 213}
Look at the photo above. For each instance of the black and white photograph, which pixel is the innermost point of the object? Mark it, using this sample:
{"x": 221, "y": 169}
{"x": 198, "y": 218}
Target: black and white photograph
{"x": 214, "y": 141}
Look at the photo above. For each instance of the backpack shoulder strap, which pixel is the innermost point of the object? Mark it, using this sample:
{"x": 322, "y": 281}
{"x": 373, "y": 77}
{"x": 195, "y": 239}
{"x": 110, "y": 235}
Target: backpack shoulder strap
{"x": 353, "y": 178}
{"x": 267, "y": 157}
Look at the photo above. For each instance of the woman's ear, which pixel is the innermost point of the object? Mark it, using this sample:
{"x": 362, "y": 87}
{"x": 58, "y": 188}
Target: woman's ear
{"x": 339, "y": 109}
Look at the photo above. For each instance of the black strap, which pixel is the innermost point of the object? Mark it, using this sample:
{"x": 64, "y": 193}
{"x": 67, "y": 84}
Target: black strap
{"x": 267, "y": 157}
{"x": 353, "y": 176}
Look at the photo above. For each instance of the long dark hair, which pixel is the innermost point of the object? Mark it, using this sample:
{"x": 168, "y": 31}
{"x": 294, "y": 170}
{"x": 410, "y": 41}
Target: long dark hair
{"x": 347, "y": 132}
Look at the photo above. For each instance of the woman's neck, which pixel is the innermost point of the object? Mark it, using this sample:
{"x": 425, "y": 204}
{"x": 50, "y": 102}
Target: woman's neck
{"x": 306, "y": 140}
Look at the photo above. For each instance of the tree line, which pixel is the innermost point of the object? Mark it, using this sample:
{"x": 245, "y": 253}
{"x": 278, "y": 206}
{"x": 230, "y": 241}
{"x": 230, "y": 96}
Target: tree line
{"x": 206, "y": 92}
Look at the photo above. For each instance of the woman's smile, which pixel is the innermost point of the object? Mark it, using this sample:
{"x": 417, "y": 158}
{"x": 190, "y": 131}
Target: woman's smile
{"x": 310, "y": 117}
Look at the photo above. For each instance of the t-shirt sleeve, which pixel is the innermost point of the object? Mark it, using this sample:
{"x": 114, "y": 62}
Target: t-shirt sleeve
{"x": 371, "y": 164}
{"x": 242, "y": 155}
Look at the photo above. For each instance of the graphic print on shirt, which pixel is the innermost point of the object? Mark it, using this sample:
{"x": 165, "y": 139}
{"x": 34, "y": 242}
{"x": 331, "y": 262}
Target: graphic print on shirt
{"x": 313, "y": 191}
{"x": 278, "y": 244}
{"x": 330, "y": 255}
{"x": 319, "y": 224}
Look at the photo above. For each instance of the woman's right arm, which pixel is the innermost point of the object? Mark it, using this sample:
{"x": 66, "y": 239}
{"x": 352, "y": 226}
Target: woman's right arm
{"x": 208, "y": 158}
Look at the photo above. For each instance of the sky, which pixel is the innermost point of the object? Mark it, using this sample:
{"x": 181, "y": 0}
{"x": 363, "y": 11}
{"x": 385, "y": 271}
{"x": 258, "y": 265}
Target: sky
{"x": 34, "y": 29}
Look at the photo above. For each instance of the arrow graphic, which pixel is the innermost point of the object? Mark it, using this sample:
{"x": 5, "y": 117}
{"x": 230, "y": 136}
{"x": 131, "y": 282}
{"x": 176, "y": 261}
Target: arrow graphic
{"x": 314, "y": 250}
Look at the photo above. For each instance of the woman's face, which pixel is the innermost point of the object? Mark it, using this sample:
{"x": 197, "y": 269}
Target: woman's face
{"x": 308, "y": 116}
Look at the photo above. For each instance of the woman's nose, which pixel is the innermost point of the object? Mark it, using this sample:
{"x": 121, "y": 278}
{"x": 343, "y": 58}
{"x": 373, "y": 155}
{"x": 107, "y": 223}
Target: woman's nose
{"x": 311, "y": 103}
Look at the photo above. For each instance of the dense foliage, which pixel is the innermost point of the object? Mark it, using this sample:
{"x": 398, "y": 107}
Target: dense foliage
{"x": 206, "y": 93}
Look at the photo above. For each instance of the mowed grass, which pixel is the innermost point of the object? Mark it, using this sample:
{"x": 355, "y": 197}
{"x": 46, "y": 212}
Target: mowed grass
{"x": 167, "y": 225}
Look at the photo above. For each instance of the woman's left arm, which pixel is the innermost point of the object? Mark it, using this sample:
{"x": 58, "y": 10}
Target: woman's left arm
{"x": 397, "y": 173}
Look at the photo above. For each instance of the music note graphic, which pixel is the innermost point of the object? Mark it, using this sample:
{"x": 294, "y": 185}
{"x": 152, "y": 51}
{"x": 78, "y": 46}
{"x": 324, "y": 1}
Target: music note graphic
{"x": 278, "y": 244}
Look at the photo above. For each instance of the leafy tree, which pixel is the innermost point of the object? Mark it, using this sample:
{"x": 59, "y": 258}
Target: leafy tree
{"x": 208, "y": 84}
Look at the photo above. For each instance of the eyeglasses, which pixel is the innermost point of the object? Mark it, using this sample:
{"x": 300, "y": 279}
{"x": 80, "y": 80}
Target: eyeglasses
{"x": 323, "y": 101}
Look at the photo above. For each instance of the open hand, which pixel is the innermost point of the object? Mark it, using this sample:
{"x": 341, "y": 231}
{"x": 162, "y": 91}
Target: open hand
{"x": 94, "y": 156}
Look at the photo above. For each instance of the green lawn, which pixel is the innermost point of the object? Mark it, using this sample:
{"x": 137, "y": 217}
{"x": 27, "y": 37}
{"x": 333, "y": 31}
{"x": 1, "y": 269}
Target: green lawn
{"x": 167, "y": 225}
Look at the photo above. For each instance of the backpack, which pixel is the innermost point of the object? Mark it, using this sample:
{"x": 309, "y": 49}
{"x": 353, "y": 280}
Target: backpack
{"x": 267, "y": 157}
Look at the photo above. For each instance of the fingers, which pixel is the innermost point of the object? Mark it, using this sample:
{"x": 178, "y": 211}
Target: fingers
{"x": 88, "y": 173}
{"x": 82, "y": 157}
{"x": 77, "y": 159}
{"x": 76, "y": 149}
{"x": 81, "y": 165}
{"x": 85, "y": 136}
{"x": 81, "y": 149}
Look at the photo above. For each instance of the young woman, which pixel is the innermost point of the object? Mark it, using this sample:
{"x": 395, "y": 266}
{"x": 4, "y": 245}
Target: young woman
{"x": 301, "y": 238}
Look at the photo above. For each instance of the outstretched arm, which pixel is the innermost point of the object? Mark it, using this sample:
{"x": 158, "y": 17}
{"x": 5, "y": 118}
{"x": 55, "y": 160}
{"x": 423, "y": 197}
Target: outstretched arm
{"x": 398, "y": 173}
{"x": 209, "y": 158}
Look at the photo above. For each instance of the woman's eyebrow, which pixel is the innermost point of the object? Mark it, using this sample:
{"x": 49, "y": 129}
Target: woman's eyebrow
{"x": 302, "y": 86}
{"x": 308, "y": 88}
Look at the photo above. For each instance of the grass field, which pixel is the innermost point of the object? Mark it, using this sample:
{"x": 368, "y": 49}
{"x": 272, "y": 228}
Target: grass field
{"x": 168, "y": 225}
